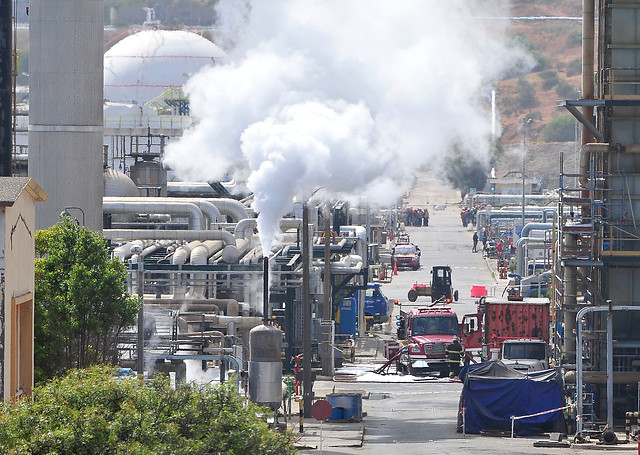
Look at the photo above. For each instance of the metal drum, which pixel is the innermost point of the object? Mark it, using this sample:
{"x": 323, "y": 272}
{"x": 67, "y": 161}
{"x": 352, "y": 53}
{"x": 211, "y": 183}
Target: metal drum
{"x": 265, "y": 366}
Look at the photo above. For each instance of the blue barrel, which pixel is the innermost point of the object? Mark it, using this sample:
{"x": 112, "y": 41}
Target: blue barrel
{"x": 346, "y": 406}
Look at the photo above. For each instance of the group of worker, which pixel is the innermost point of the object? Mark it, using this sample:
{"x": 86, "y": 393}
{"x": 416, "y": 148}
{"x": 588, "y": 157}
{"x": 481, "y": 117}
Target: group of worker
{"x": 417, "y": 216}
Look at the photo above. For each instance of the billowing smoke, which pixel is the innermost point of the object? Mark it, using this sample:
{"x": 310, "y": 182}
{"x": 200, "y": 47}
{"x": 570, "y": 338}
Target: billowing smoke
{"x": 349, "y": 96}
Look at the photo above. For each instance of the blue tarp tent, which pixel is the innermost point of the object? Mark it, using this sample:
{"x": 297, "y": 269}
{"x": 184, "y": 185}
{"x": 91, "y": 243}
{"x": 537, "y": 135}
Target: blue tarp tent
{"x": 493, "y": 392}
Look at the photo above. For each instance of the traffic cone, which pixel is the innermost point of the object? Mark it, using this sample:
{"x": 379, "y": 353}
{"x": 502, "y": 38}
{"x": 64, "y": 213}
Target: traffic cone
{"x": 395, "y": 268}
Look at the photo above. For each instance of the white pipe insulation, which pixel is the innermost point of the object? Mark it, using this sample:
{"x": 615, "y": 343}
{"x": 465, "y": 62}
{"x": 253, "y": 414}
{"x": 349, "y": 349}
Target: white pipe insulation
{"x": 245, "y": 227}
{"x": 209, "y": 210}
{"x": 199, "y": 256}
{"x": 231, "y": 208}
{"x": 123, "y": 252}
{"x": 159, "y": 234}
{"x": 348, "y": 264}
{"x": 196, "y": 219}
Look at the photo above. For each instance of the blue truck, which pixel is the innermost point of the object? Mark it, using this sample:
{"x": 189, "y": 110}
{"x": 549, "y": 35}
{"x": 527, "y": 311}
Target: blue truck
{"x": 376, "y": 309}
{"x": 376, "y": 304}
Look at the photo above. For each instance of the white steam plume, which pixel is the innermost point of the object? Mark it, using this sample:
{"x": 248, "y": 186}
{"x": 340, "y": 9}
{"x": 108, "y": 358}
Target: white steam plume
{"x": 346, "y": 95}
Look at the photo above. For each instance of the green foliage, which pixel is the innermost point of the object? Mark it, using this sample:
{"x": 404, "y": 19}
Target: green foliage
{"x": 464, "y": 171}
{"x": 574, "y": 67}
{"x": 526, "y": 93}
{"x": 566, "y": 91}
{"x": 81, "y": 303}
{"x": 574, "y": 38}
{"x": 549, "y": 79}
{"x": 559, "y": 129}
{"x": 93, "y": 411}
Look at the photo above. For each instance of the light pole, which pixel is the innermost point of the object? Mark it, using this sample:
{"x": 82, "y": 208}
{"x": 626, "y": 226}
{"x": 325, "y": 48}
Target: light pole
{"x": 65, "y": 212}
{"x": 525, "y": 125}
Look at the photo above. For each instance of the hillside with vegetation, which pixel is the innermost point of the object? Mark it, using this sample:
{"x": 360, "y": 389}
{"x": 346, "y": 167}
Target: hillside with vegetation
{"x": 556, "y": 46}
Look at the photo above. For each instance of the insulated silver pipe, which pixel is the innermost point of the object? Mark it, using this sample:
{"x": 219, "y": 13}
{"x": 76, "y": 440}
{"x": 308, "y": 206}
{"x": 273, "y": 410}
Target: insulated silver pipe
{"x": 581, "y": 314}
{"x": 196, "y": 219}
{"x": 186, "y": 235}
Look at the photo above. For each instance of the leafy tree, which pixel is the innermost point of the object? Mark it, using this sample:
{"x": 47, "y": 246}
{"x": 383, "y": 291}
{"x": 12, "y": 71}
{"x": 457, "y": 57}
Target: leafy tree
{"x": 464, "y": 171}
{"x": 559, "y": 129}
{"x": 93, "y": 411}
{"x": 81, "y": 303}
{"x": 549, "y": 79}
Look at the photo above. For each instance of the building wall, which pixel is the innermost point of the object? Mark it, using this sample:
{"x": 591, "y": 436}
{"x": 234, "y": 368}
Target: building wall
{"x": 18, "y": 251}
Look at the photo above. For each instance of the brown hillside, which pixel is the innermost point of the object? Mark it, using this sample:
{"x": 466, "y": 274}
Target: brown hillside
{"x": 556, "y": 42}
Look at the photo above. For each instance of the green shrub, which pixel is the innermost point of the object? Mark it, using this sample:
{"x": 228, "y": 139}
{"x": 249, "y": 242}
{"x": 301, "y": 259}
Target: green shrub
{"x": 574, "y": 67}
{"x": 566, "y": 91}
{"x": 93, "y": 411}
{"x": 549, "y": 79}
{"x": 559, "y": 129}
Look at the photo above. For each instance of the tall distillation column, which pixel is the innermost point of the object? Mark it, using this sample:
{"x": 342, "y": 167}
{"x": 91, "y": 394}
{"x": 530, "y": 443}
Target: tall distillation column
{"x": 65, "y": 107}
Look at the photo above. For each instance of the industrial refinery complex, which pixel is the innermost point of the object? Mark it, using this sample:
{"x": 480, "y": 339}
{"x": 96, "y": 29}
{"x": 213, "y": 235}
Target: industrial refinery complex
{"x": 257, "y": 278}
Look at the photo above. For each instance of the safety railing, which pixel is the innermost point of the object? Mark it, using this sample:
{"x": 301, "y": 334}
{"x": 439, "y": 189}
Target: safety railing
{"x": 514, "y": 418}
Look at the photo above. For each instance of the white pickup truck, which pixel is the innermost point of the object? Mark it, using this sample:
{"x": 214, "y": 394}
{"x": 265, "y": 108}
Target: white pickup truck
{"x": 525, "y": 355}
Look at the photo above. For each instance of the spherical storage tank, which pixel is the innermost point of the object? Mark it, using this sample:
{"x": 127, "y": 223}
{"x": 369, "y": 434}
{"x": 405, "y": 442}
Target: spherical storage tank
{"x": 142, "y": 66}
{"x": 265, "y": 366}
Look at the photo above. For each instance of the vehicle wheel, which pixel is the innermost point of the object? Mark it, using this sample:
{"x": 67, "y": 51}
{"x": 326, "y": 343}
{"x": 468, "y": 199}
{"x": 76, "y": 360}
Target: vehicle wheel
{"x": 455, "y": 295}
{"x": 412, "y": 295}
{"x": 417, "y": 267}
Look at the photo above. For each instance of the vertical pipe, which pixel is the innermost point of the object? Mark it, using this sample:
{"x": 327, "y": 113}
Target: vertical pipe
{"x": 6, "y": 87}
{"x": 265, "y": 290}
{"x": 578, "y": 325}
{"x": 140, "y": 346}
{"x": 588, "y": 41}
{"x": 327, "y": 342}
{"x": 306, "y": 315}
{"x": 610, "y": 367}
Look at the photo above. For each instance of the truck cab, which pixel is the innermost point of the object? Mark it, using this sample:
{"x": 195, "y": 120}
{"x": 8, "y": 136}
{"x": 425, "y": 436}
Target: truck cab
{"x": 427, "y": 332}
{"x": 525, "y": 355}
{"x": 376, "y": 304}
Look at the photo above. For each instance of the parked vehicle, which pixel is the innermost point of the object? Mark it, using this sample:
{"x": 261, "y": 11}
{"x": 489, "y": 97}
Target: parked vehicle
{"x": 516, "y": 331}
{"x": 376, "y": 304}
{"x": 406, "y": 255}
{"x": 377, "y": 309}
{"x": 440, "y": 289}
{"x": 426, "y": 332}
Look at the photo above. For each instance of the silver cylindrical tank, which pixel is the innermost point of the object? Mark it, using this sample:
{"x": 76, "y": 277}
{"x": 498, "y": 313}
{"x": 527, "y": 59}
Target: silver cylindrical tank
{"x": 150, "y": 177}
{"x": 65, "y": 107}
{"x": 265, "y": 366}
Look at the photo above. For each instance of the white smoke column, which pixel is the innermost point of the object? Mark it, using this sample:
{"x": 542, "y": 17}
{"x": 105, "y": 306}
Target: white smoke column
{"x": 346, "y": 95}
